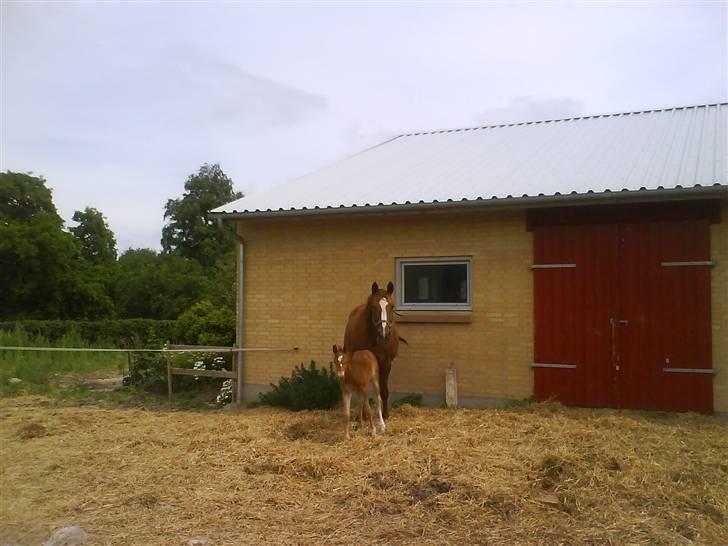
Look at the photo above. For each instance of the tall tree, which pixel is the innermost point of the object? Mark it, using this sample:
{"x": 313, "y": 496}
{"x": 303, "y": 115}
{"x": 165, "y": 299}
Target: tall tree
{"x": 40, "y": 273}
{"x": 151, "y": 285}
{"x": 190, "y": 231}
{"x": 98, "y": 244}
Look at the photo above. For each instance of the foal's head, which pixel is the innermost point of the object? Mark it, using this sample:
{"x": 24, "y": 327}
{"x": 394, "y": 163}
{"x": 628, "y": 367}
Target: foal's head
{"x": 340, "y": 361}
{"x": 381, "y": 310}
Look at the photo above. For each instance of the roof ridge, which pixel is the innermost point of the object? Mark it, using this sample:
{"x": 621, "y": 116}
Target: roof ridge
{"x": 574, "y": 118}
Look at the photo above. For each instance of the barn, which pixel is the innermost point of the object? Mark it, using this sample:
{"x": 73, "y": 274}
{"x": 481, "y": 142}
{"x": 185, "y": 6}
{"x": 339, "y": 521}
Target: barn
{"x": 581, "y": 259}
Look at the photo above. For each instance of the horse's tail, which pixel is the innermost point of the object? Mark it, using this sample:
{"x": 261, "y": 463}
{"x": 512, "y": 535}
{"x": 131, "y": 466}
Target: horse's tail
{"x": 403, "y": 340}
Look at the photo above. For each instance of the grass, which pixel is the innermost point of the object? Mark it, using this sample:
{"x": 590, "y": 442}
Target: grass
{"x": 536, "y": 474}
{"x": 39, "y": 370}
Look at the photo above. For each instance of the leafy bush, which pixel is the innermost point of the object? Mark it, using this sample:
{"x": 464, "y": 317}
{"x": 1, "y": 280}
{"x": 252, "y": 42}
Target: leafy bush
{"x": 409, "y": 399}
{"x": 307, "y": 388}
{"x": 225, "y": 396}
{"x": 206, "y": 324}
{"x": 149, "y": 370}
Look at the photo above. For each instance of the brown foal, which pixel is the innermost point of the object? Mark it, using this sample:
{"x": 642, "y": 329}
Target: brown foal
{"x": 356, "y": 371}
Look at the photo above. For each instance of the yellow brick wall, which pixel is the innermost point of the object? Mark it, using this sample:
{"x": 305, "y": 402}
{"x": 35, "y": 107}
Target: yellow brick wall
{"x": 304, "y": 275}
{"x": 719, "y": 309}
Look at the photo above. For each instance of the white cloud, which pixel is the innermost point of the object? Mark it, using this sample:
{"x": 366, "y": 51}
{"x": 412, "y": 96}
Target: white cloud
{"x": 117, "y": 103}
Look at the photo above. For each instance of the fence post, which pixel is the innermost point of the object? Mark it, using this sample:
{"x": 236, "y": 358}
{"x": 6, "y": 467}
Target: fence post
{"x": 451, "y": 387}
{"x": 169, "y": 375}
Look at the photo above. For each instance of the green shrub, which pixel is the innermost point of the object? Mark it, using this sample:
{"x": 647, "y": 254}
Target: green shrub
{"x": 409, "y": 399}
{"x": 149, "y": 370}
{"x": 307, "y": 388}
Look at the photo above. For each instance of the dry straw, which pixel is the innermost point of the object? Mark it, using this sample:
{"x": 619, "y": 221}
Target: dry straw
{"x": 539, "y": 474}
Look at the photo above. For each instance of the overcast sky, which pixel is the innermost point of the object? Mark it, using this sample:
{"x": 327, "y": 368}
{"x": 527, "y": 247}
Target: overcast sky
{"x": 115, "y": 104}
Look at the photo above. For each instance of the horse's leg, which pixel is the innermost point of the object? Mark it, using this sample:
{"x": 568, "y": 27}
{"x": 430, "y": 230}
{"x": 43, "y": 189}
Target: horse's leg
{"x": 377, "y": 391}
{"x": 384, "y": 368}
{"x": 360, "y": 413}
{"x": 346, "y": 398}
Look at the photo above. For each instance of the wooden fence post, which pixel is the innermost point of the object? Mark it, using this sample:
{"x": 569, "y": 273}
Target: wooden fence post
{"x": 451, "y": 387}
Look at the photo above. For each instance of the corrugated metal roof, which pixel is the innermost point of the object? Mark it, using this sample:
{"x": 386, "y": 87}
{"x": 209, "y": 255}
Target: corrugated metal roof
{"x": 670, "y": 149}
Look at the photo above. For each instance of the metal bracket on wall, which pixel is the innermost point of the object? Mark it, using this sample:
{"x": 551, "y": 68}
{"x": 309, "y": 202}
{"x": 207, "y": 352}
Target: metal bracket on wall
{"x": 686, "y": 264}
{"x": 709, "y": 371}
{"x": 553, "y": 266}
{"x": 561, "y": 366}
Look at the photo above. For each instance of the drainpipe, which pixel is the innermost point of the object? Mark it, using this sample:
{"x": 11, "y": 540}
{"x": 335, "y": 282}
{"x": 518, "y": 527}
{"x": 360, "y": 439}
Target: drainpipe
{"x": 239, "y": 335}
{"x": 241, "y": 317}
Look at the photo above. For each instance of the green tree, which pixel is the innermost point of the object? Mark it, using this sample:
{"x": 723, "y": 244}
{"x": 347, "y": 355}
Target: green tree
{"x": 207, "y": 324}
{"x": 98, "y": 243}
{"x": 190, "y": 231}
{"x": 40, "y": 270}
{"x": 38, "y": 263}
{"x": 23, "y": 197}
{"x": 150, "y": 285}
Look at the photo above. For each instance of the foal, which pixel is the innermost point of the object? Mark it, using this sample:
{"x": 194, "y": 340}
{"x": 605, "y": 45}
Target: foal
{"x": 355, "y": 372}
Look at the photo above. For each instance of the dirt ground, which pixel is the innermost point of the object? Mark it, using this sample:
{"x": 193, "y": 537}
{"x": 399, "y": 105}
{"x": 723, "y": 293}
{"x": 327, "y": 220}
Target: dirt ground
{"x": 539, "y": 474}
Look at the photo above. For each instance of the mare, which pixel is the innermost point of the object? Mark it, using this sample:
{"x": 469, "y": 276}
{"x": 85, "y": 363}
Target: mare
{"x": 371, "y": 327}
{"x": 356, "y": 371}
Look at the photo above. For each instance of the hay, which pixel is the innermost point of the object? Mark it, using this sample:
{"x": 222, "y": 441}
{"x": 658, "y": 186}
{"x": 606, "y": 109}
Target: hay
{"x": 539, "y": 474}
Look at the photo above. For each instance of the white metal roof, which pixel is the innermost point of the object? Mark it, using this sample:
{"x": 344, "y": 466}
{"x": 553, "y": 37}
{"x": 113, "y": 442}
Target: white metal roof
{"x": 671, "y": 149}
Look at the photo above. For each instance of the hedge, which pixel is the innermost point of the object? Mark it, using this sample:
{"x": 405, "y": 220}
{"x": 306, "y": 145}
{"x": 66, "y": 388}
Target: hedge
{"x": 120, "y": 332}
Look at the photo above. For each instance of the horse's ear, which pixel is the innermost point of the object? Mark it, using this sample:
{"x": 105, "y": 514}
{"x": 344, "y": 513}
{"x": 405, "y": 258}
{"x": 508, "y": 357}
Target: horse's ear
{"x": 336, "y": 349}
{"x": 375, "y": 287}
{"x": 390, "y": 287}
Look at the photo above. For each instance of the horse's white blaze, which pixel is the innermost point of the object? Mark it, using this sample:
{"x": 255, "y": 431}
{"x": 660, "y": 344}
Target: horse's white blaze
{"x": 340, "y": 358}
{"x": 383, "y": 305}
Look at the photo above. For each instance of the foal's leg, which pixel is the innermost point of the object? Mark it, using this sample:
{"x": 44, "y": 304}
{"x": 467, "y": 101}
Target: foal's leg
{"x": 346, "y": 399}
{"x": 365, "y": 408}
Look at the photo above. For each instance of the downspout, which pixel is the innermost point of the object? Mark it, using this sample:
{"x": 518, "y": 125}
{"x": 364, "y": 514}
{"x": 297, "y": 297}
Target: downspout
{"x": 240, "y": 335}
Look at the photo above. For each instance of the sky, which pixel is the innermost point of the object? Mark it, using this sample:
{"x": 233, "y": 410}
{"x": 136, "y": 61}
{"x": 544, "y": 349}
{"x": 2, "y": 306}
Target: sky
{"x": 116, "y": 104}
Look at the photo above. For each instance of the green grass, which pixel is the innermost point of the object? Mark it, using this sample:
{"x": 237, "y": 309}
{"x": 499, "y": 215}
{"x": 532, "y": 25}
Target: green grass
{"x": 132, "y": 397}
{"x": 38, "y": 369}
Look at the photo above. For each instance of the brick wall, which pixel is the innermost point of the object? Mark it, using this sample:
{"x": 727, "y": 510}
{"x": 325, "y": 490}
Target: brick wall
{"x": 304, "y": 275}
{"x": 719, "y": 309}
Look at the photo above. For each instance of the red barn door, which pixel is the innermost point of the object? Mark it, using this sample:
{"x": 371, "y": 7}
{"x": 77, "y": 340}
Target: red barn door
{"x": 622, "y": 315}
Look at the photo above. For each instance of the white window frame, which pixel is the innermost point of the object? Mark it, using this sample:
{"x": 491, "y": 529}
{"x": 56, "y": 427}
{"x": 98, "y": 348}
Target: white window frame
{"x": 401, "y": 263}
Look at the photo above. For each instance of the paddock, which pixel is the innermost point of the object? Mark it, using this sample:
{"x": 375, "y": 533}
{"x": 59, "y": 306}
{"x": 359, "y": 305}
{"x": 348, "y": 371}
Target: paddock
{"x": 532, "y": 474}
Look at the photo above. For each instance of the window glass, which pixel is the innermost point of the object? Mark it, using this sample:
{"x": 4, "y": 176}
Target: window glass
{"x": 434, "y": 283}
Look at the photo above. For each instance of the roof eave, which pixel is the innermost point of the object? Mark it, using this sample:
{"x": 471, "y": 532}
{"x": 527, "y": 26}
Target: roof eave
{"x": 606, "y": 197}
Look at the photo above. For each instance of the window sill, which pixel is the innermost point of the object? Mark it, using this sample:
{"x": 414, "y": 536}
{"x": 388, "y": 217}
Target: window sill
{"x": 452, "y": 317}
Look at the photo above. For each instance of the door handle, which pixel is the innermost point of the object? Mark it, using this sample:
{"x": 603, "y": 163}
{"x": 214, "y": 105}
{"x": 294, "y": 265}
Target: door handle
{"x": 623, "y": 322}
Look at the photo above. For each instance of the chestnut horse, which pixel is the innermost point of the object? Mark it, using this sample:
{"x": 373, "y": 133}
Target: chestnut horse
{"x": 371, "y": 327}
{"x": 356, "y": 371}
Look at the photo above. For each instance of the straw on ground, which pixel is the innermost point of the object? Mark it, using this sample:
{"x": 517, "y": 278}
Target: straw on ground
{"x": 538, "y": 474}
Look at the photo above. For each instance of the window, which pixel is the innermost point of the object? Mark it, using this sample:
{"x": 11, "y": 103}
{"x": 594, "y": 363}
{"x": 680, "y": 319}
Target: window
{"x": 433, "y": 283}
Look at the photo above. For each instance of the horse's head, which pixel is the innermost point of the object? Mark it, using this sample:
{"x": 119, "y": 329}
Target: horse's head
{"x": 381, "y": 310}
{"x": 340, "y": 361}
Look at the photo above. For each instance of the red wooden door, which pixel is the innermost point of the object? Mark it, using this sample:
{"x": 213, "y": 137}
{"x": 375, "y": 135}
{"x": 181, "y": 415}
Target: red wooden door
{"x": 664, "y": 341}
{"x": 623, "y": 315}
{"x": 574, "y": 296}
